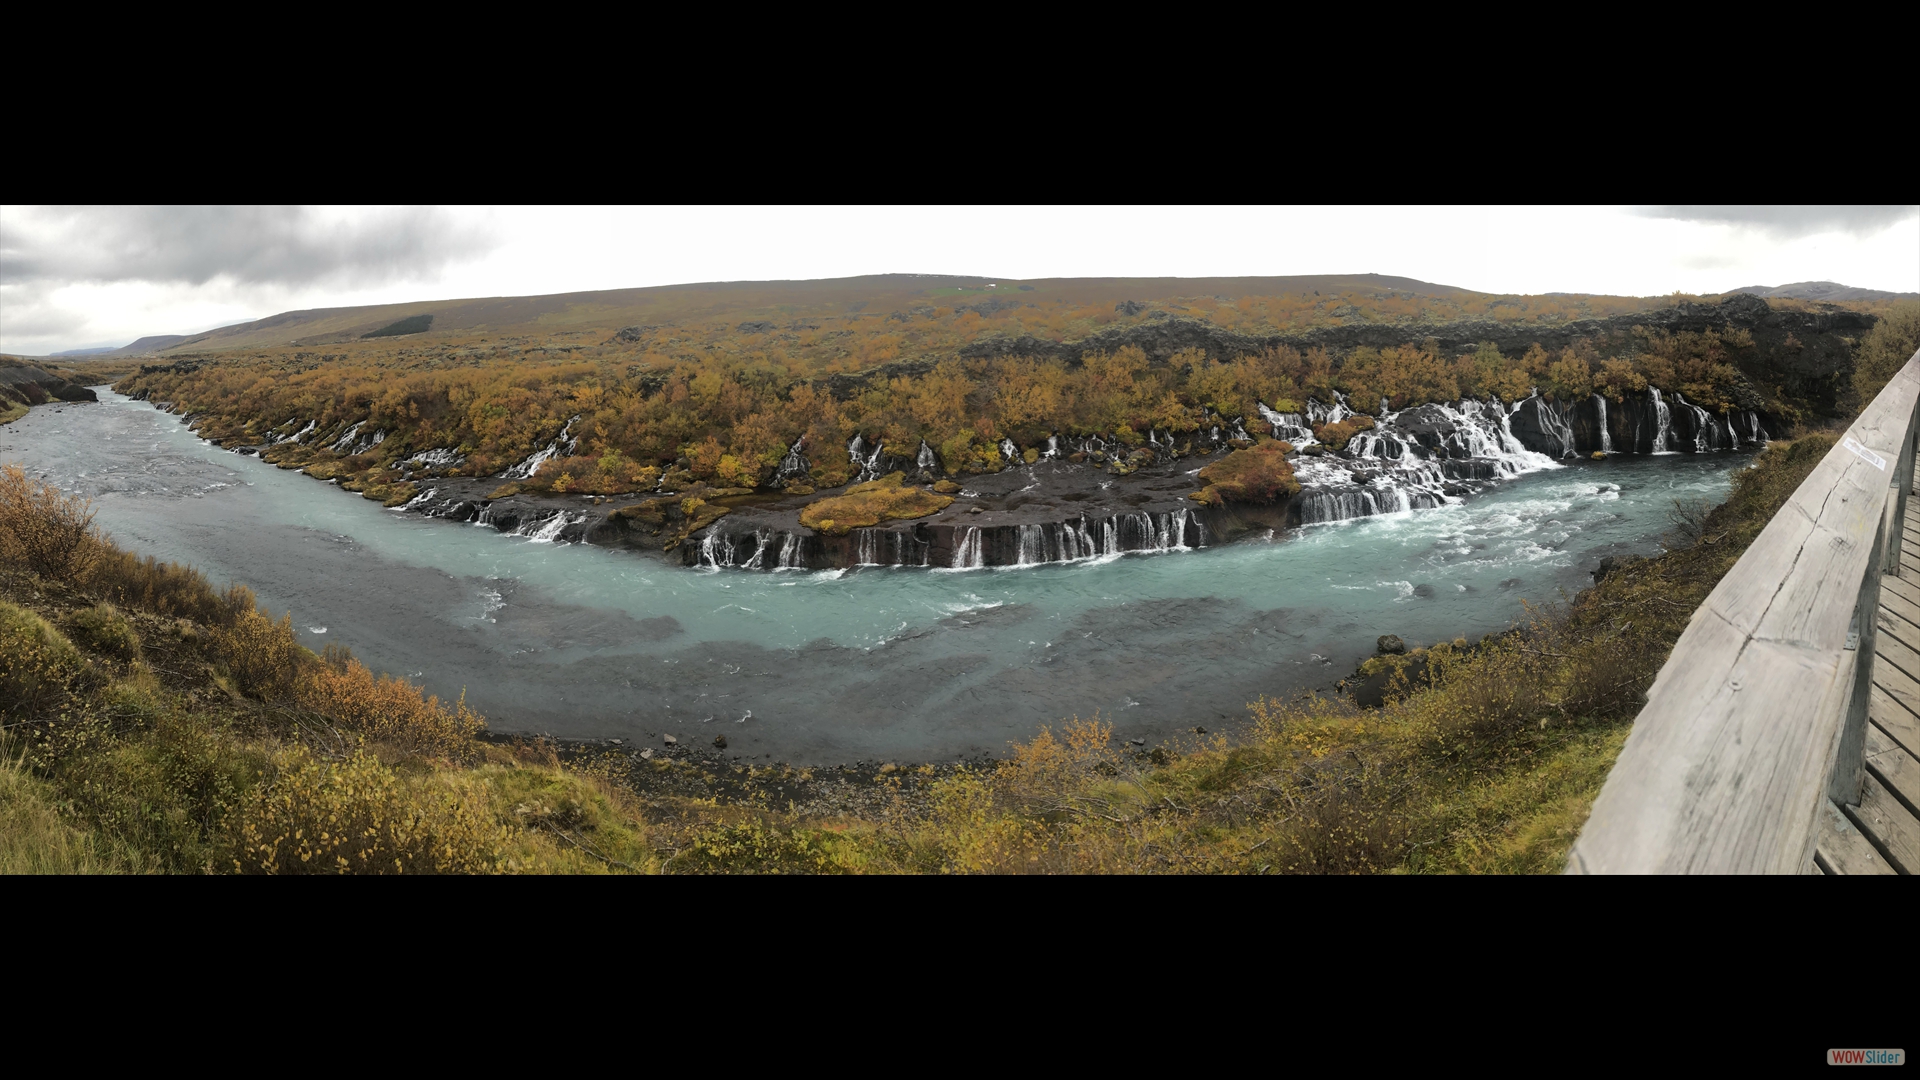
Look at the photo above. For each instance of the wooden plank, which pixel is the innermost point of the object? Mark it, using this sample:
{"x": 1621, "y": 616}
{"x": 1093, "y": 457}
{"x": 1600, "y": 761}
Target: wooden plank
{"x": 1891, "y": 599}
{"x": 1889, "y": 649}
{"x": 1902, "y": 587}
{"x": 1898, "y": 721}
{"x": 1842, "y": 849}
{"x": 1897, "y": 768}
{"x": 1899, "y": 629}
{"x": 1892, "y": 827}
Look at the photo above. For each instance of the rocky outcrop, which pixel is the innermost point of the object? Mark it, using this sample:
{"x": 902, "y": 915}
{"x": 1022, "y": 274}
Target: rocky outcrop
{"x": 34, "y": 386}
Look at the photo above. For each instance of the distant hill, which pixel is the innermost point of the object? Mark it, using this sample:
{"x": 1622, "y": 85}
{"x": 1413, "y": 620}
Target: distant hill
{"x": 1822, "y": 290}
{"x": 614, "y": 308}
{"x": 150, "y": 344}
{"x": 82, "y": 352}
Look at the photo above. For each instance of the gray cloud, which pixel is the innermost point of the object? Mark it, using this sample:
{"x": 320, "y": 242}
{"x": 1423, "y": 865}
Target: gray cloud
{"x": 1791, "y": 222}
{"x": 266, "y": 245}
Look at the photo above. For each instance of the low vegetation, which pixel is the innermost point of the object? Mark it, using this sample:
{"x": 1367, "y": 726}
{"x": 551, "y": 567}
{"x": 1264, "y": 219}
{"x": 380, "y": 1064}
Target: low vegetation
{"x": 1887, "y": 347}
{"x": 886, "y": 499}
{"x": 1258, "y": 474}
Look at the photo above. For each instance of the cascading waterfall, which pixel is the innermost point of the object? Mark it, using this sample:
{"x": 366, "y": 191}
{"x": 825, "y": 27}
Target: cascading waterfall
{"x": 349, "y": 445}
{"x": 1052, "y": 451}
{"x": 1009, "y": 452}
{"x": 1415, "y": 474}
{"x": 969, "y": 555}
{"x": 716, "y": 550}
{"x": 1291, "y": 427}
{"x": 443, "y": 458}
{"x": 298, "y": 436}
{"x": 564, "y": 444}
{"x": 548, "y": 530}
{"x": 789, "y": 556}
{"x": 1606, "y": 436}
{"x": 865, "y": 466}
{"x": 418, "y": 500}
{"x": 1703, "y": 427}
{"x": 926, "y": 459}
{"x": 794, "y": 464}
{"x": 1662, "y": 422}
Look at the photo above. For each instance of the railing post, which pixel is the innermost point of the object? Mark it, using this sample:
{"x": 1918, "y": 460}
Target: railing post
{"x": 1850, "y": 758}
{"x": 1902, "y": 484}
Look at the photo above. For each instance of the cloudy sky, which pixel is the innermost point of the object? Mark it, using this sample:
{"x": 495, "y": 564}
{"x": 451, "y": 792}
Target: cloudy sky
{"x": 84, "y": 277}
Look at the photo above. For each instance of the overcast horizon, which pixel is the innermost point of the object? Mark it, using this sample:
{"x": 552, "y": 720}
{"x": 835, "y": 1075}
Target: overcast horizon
{"x": 82, "y": 278}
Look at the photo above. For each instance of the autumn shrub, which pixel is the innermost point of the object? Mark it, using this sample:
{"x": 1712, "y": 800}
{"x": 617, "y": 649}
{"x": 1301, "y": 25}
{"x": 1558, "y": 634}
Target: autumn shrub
{"x": 868, "y": 504}
{"x": 1887, "y": 348}
{"x": 358, "y": 816}
{"x": 40, "y": 670}
{"x": 42, "y": 530}
{"x": 104, "y": 629}
{"x": 1259, "y": 474}
{"x": 171, "y": 589}
{"x": 1336, "y": 436}
{"x": 755, "y": 846}
{"x": 167, "y": 786}
{"x": 259, "y": 653}
{"x": 386, "y": 709}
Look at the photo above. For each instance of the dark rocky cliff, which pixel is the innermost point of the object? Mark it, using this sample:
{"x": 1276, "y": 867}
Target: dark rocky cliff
{"x": 1808, "y": 354}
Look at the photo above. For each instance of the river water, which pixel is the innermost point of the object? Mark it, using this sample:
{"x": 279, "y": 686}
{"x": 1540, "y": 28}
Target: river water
{"x": 838, "y": 666}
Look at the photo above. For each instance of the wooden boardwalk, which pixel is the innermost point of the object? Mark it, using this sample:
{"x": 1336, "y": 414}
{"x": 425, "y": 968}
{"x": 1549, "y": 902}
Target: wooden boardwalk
{"x": 1881, "y": 835}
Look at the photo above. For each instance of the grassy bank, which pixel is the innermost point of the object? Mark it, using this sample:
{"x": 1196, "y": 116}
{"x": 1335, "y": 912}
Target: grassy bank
{"x": 155, "y": 723}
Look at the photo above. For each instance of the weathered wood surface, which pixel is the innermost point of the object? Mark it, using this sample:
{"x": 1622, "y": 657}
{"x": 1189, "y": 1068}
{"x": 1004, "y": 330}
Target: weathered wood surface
{"x": 1895, "y": 766}
{"x": 1843, "y": 849}
{"x": 1728, "y": 763}
{"x": 1893, "y": 718}
{"x": 1891, "y": 826}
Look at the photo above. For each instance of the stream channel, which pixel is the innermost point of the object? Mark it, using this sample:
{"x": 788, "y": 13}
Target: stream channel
{"x": 839, "y": 666}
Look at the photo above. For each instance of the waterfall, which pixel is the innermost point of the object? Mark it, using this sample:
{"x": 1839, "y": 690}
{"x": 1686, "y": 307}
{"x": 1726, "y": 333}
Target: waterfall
{"x": 789, "y": 552}
{"x": 1702, "y": 424}
{"x": 716, "y": 550}
{"x": 794, "y": 464}
{"x": 444, "y": 458}
{"x": 298, "y": 436}
{"x": 1053, "y": 448}
{"x": 1033, "y": 545}
{"x": 417, "y": 500}
{"x": 547, "y": 530}
{"x": 1662, "y": 422}
{"x": 1468, "y": 439}
{"x": 926, "y": 459}
{"x": 1289, "y": 426}
{"x": 1606, "y": 437}
{"x": 969, "y": 556}
{"x": 562, "y": 444}
{"x": 760, "y": 538}
{"x": 1009, "y": 452}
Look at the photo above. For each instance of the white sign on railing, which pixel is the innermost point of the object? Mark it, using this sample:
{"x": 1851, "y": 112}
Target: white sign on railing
{"x": 1865, "y": 454}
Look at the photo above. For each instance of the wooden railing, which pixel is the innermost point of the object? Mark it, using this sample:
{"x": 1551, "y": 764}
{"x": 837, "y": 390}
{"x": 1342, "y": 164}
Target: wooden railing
{"x": 1759, "y": 717}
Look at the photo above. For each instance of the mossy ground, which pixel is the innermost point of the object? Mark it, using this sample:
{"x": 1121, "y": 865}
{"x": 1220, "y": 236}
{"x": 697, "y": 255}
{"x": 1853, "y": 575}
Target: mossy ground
{"x": 865, "y": 505}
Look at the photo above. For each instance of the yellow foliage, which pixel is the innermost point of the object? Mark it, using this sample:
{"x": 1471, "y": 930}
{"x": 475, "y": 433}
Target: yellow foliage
{"x": 868, "y": 504}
